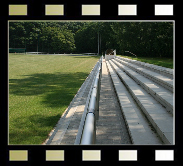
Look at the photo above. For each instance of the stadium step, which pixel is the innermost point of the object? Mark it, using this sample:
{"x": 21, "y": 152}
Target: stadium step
{"x": 110, "y": 127}
{"x": 157, "y": 115}
{"x": 158, "y": 69}
{"x": 154, "y": 76}
{"x": 140, "y": 130}
{"x": 161, "y": 94}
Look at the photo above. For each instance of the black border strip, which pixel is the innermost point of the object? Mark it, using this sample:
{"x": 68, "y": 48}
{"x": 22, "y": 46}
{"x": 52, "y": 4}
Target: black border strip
{"x": 73, "y": 154}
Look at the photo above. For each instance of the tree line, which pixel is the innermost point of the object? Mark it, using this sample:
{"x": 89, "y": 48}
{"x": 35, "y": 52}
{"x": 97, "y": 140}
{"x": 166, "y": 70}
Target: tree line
{"x": 153, "y": 39}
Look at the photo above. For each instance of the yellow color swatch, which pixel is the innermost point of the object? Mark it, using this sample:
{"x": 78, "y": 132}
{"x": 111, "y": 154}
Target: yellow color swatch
{"x": 18, "y": 155}
{"x": 91, "y": 10}
{"x": 54, "y": 10}
{"x": 127, "y": 155}
{"x": 127, "y": 9}
{"x": 91, "y": 155}
{"x": 18, "y": 10}
{"x": 54, "y": 155}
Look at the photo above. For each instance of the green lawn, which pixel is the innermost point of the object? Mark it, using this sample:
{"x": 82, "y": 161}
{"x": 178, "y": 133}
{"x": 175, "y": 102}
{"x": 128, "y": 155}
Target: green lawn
{"x": 40, "y": 89}
{"x": 165, "y": 62}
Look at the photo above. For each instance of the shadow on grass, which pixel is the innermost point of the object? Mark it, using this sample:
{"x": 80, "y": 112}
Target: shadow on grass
{"x": 56, "y": 89}
{"x": 32, "y": 129}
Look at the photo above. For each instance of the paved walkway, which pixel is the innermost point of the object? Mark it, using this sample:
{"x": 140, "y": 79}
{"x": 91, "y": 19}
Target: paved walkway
{"x": 110, "y": 128}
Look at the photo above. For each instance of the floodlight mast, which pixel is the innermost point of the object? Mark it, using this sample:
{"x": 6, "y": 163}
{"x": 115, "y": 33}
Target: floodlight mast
{"x": 37, "y": 30}
{"x": 98, "y": 42}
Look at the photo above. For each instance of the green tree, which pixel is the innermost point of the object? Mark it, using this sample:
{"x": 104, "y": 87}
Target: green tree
{"x": 48, "y": 36}
{"x": 86, "y": 38}
{"x": 142, "y": 38}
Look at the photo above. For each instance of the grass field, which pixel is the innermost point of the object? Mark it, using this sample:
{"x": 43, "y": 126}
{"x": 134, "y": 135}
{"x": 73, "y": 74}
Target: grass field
{"x": 40, "y": 89}
{"x": 165, "y": 62}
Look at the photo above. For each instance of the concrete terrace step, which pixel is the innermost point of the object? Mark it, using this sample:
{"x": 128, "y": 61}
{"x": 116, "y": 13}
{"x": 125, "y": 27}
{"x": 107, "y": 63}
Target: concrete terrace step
{"x": 110, "y": 127}
{"x": 162, "y": 95}
{"x": 140, "y": 130}
{"x": 157, "y": 115}
{"x": 159, "y": 69}
{"x": 158, "y": 78}
{"x": 67, "y": 127}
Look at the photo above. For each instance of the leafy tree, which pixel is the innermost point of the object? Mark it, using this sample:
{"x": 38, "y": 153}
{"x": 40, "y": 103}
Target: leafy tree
{"x": 145, "y": 38}
{"x": 49, "y": 37}
{"x": 86, "y": 38}
{"x": 142, "y": 38}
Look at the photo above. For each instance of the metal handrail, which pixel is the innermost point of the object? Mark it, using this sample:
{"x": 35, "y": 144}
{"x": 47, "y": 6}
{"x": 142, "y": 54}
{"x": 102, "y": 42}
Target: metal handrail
{"x": 89, "y": 131}
{"x": 82, "y": 122}
{"x": 131, "y": 53}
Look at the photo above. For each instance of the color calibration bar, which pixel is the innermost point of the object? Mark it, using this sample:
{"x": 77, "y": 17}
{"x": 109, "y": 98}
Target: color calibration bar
{"x": 91, "y": 10}
{"x": 91, "y": 155}
{"x": 18, "y": 10}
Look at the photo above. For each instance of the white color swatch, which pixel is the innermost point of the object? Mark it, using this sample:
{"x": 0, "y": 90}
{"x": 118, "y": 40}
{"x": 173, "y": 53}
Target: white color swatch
{"x": 164, "y": 155}
{"x": 163, "y": 9}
